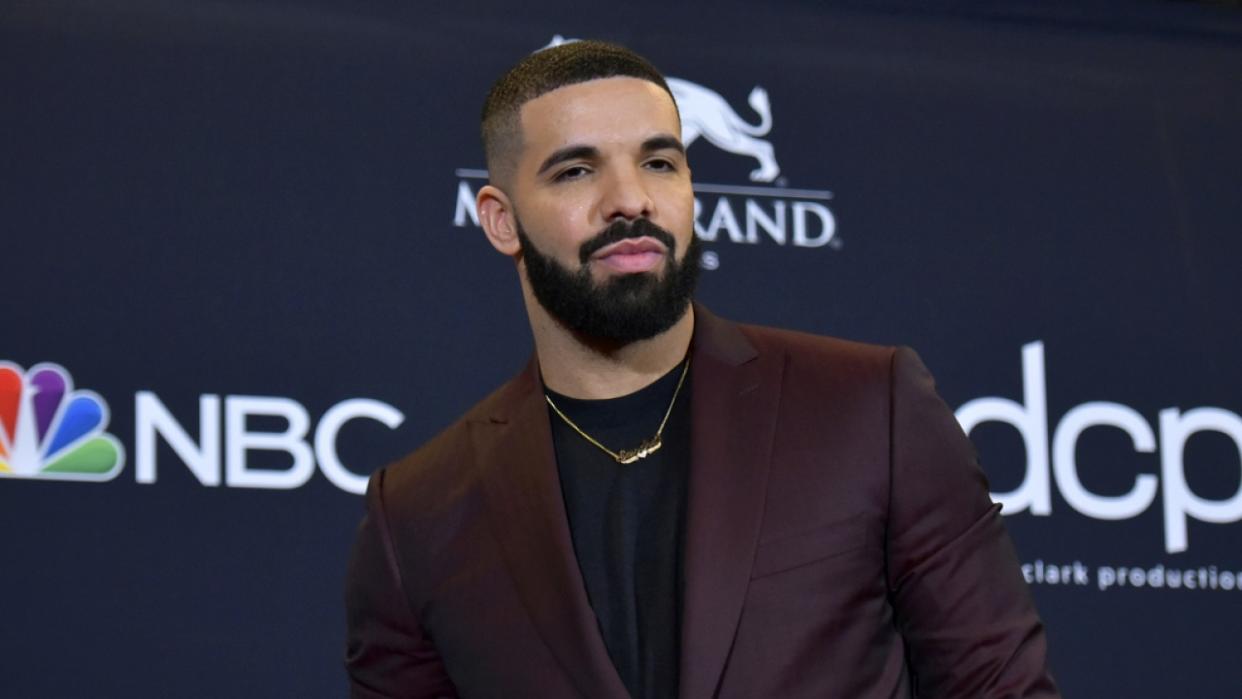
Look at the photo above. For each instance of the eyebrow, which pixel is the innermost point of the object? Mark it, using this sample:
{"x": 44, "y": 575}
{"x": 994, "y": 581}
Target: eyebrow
{"x": 574, "y": 152}
{"x": 663, "y": 142}
{"x": 568, "y": 153}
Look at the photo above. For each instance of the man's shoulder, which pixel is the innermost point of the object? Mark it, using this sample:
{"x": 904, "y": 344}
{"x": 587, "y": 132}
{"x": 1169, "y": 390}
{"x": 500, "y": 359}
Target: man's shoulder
{"x": 805, "y": 351}
{"x": 812, "y": 343}
{"x": 445, "y": 460}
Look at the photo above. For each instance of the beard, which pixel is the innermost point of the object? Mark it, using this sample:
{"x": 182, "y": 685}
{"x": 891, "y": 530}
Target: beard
{"x": 621, "y": 309}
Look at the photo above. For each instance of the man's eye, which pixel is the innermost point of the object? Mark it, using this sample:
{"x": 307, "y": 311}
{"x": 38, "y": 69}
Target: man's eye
{"x": 663, "y": 165}
{"x": 571, "y": 173}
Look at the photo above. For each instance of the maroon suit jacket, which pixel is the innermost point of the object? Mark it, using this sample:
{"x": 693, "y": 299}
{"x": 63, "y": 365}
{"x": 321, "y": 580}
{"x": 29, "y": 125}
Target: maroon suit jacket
{"x": 840, "y": 542}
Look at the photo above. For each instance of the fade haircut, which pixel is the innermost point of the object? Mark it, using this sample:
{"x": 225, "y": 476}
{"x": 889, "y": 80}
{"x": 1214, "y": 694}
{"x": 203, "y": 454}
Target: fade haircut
{"x": 540, "y": 73}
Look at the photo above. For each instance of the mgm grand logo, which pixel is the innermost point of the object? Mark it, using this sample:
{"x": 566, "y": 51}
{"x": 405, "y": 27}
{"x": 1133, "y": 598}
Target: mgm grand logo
{"x": 763, "y": 211}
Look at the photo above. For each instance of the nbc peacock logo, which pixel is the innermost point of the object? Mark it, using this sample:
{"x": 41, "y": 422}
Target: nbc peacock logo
{"x": 48, "y": 430}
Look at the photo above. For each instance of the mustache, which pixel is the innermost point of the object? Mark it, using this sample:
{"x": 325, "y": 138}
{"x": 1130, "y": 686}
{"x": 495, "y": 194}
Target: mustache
{"x": 623, "y": 230}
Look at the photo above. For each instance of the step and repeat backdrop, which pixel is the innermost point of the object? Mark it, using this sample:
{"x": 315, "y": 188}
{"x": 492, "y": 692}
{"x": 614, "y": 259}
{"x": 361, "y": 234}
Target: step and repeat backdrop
{"x": 242, "y": 270}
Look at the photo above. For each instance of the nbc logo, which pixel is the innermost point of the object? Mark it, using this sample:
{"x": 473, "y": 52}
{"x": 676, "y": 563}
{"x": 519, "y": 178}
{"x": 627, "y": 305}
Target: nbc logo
{"x": 49, "y": 430}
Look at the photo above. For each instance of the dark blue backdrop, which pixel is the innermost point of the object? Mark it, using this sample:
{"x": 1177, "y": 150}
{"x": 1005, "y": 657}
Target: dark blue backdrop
{"x": 238, "y": 224}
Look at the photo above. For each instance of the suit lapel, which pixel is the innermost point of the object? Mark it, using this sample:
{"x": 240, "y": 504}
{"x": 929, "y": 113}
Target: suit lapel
{"x": 736, "y": 393}
{"x": 527, "y": 511}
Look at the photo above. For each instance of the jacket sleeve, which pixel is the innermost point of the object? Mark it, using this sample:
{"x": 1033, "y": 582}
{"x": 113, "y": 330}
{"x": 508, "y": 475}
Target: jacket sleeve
{"x": 960, "y": 601}
{"x": 387, "y": 654}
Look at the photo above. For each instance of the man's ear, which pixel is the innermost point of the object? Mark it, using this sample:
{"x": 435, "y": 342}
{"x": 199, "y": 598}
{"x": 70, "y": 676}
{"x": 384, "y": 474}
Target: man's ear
{"x": 498, "y": 220}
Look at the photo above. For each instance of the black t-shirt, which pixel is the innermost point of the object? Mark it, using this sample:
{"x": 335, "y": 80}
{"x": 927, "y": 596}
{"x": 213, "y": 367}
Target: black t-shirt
{"x": 626, "y": 522}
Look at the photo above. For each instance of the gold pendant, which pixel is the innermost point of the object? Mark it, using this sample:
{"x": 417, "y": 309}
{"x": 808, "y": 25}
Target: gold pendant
{"x": 651, "y": 446}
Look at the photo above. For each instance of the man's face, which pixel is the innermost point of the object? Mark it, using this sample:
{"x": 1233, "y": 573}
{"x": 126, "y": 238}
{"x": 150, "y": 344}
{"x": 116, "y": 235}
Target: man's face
{"x": 604, "y": 208}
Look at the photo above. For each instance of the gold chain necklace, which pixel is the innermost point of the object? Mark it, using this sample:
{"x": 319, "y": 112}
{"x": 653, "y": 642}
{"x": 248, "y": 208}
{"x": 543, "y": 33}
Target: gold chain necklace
{"x": 649, "y": 446}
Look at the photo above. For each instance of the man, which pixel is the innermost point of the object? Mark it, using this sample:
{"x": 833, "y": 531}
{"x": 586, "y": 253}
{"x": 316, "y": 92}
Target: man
{"x": 665, "y": 503}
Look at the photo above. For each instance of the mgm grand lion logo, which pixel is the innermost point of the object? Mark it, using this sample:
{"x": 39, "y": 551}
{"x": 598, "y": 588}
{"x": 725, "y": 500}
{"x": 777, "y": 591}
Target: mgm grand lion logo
{"x": 705, "y": 113}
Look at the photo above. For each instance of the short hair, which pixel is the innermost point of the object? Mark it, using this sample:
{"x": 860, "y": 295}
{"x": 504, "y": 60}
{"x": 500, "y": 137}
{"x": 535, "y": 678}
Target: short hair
{"x": 542, "y": 72}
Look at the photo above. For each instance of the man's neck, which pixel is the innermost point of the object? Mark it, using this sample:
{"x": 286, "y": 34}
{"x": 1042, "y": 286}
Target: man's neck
{"x": 576, "y": 367}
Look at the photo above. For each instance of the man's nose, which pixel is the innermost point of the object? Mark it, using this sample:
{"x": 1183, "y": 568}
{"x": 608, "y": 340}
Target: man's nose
{"x": 625, "y": 196}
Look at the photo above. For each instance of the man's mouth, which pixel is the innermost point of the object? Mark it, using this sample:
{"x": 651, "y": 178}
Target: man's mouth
{"x": 631, "y": 255}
